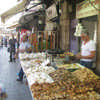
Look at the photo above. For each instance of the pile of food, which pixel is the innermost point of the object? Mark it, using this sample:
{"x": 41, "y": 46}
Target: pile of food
{"x": 29, "y": 56}
{"x": 63, "y": 91}
{"x": 67, "y": 53}
{"x": 69, "y": 66}
{"x": 39, "y": 77}
{"x": 46, "y": 83}
{"x": 36, "y": 70}
{"x": 66, "y": 86}
{"x": 62, "y": 74}
{"x": 84, "y": 74}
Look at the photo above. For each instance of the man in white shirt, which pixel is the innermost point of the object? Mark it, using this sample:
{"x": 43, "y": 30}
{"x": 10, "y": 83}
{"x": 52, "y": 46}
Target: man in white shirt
{"x": 24, "y": 47}
{"x": 88, "y": 50}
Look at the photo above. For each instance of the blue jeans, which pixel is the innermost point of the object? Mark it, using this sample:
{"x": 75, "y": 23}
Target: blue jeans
{"x": 86, "y": 64}
{"x": 21, "y": 73}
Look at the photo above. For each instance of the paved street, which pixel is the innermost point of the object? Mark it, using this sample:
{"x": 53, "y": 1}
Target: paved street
{"x": 8, "y": 74}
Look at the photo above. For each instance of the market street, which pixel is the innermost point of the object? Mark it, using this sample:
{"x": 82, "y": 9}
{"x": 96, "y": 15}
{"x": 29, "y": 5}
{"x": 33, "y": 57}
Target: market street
{"x": 8, "y": 74}
{"x": 50, "y": 50}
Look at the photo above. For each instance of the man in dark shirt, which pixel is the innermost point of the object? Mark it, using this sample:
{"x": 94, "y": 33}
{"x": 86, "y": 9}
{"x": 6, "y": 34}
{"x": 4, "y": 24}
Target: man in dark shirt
{"x": 12, "y": 43}
{"x": 6, "y": 42}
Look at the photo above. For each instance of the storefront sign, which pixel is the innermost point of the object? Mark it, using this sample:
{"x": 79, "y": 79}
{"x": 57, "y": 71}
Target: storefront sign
{"x": 51, "y": 12}
{"x": 23, "y": 32}
{"x": 85, "y": 8}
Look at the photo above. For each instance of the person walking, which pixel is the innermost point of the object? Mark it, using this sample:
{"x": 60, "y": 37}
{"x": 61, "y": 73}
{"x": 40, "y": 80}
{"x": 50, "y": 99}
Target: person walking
{"x": 5, "y": 41}
{"x": 12, "y": 49}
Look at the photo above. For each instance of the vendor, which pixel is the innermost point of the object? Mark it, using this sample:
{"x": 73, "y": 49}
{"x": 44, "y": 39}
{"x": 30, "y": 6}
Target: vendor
{"x": 88, "y": 50}
{"x": 24, "y": 47}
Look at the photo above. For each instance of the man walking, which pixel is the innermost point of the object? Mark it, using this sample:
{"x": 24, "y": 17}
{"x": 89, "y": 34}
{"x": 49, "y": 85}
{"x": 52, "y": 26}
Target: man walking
{"x": 12, "y": 43}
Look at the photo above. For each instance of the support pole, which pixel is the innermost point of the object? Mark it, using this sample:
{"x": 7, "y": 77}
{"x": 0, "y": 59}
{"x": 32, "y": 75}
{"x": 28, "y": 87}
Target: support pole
{"x": 42, "y": 41}
{"x": 51, "y": 41}
{"x": 46, "y": 40}
{"x": 98, "y": 44}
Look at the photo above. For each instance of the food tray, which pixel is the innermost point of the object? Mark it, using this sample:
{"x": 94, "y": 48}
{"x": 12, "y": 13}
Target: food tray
{"x": 55, "y": 51}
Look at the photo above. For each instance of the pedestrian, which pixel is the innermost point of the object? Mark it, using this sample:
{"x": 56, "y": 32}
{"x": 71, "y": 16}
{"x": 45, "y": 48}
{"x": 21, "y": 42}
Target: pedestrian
{"x": 5, "y": 42}
{"x": 2, "y": 42}
{"x": 12, "y": 48}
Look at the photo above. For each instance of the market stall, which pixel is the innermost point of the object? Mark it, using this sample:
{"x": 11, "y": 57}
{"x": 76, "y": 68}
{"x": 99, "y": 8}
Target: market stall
{"x": 65, "y": 82}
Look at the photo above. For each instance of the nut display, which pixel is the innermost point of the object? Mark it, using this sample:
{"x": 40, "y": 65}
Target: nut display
{"x": 62, "y": 74}
{"x": 54, "y": 91}
{"x": 46, "y": 83}
{"x": 85, "y": 74}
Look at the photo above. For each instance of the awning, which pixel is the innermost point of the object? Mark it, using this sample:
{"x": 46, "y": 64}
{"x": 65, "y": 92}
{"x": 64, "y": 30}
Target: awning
{"x": 13, "y": 21}
{"x": 17, "y": 9}
{"x": 13, "y": 26}
{"x": 28, "y": 15}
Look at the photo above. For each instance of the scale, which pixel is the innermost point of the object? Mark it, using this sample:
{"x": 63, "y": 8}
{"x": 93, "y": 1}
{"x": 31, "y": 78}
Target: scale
{"x": 53, "y": 53}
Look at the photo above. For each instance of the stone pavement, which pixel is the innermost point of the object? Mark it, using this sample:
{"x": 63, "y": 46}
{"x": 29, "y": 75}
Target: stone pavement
{"x": 8, "y": 74}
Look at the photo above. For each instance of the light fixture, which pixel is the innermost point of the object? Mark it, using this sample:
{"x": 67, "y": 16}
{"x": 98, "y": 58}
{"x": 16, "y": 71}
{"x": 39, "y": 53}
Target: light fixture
{"x": 40, "y": 22}
{"x": 60, "y": 11}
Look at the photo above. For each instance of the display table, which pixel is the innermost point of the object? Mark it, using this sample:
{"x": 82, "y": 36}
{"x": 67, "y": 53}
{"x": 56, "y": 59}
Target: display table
{"x": 69, "y": 81}
{"x": 34, "y": 66}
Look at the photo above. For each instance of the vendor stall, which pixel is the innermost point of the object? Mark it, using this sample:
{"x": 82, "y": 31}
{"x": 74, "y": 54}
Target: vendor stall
{"x": 65, "y": 82}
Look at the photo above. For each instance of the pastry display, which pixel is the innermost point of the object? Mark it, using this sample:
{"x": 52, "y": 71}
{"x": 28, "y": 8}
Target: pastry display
{"x": 85, "y": 74}
{"x": 67, "y": 53}
{"x": 70, "y": 66}
{"x": 60, "y": 91}
{"x": 62, "y": 74}
{"x": 47, "y": 83}
{"x": 39, "y": 77}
